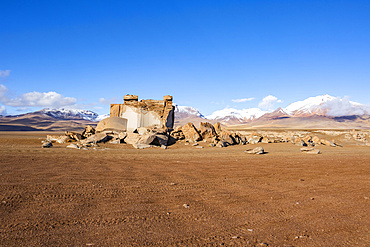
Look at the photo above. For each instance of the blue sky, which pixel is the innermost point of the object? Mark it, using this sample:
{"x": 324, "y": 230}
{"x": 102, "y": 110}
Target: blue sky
{"x": 86, "y": 54}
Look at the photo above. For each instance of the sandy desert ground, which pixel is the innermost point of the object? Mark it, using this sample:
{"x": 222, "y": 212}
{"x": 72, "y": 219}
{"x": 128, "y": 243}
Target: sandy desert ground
{"x": 183, "y": 196}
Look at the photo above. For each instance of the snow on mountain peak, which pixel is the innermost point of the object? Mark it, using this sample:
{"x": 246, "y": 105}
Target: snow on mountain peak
{"x": 186, "y": 111}
{"x": 327, "y": 105}
{"x": 245, "y": 114}
{"x": 63, "y": 113}
{"x": 307, "y": 106}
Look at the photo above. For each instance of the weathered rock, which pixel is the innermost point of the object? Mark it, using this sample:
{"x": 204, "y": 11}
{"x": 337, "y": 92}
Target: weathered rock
{"x": 243, "y": 140}
{"x": 132, "y": 138}
{"x": 310, "y": 150}
{"x": 307, "y": 139}
{"x": 313, "y": 151}
{"x": 178, "y": 134}
{"x": 115, "y": 141}
{"x": 207, "y": 131}
{"x": 58, "y": 139}
{"x": 221, "y": 144}
{"x": 97, "y": 138}
{"x": 265, "y": 139}
{"x": 47, "y": 144}
{"x": 226, "y": 136}
{"x": 142, "y": 130}
{"x": 88, "y": 131}
{"x": 73, "y": 146}
{"x": 316, "y": 140}
{"x": 161, "y": 140}
{"x": 122, "y": 135}
{"x": 141, "y": 145}
{"x": 146, "y": 139}
{"x": 73, "y": 135}
{"x": 236, "y": 137}
{"x": 112, "y": 124}
{"x": 257, "y": 150}
{"x": 145, "y": 113}
{"x": 327, "y": 143}
{"x": 191, "y": 133}
{"x": 301, "y": 143}
{"x": 217, "y": 127}
{"x": 254, "y": 140}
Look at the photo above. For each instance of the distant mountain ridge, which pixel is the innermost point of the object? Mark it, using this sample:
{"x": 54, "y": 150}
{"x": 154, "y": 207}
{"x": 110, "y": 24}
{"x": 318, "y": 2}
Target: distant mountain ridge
{"x": 310, "y": 112}
{"x": 322, "y": 105}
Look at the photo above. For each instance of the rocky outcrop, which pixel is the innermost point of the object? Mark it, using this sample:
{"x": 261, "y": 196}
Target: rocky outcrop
{"x": 88, "y": 131}
{"x": 145, "y": 113}
{"x": 112, "y": 124}
{"x": 207, "y": 131}
{"x": 191, "y": 133}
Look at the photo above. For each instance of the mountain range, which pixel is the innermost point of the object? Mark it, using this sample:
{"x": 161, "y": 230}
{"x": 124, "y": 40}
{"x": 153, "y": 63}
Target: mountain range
{"x": 322, "y": 111}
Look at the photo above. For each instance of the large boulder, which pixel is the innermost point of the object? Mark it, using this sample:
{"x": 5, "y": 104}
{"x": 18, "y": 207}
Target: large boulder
{"x": 254, "y": 138}
{"x": 88, "y": 131}
{"x": 217, "y": 127}
{"x": 191, "y": 133}
{"x": 97, "y": 138}
{"x": 316, "y": 140}
{"x": 146, "y": 139}
{"x": 161, "y": 140}
{"x": 226, "y": 137}
{"x": 178, "y": 134}
{"x": 73, "y": 135}
{"x": 207, "y": 131}
{"x": 132, "y": 138}
{"x": 112, "y": 124}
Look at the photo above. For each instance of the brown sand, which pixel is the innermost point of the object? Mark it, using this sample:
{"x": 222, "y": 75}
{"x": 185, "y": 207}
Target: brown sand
{"x": 118, "y": 195}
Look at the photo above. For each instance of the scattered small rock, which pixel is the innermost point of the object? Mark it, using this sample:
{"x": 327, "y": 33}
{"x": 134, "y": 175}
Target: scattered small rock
{"x": 257, "y": 150}
{"x": 200, "y": 147}
{"x": 195, "y": 144}
{"x": 47, "y": 145}
{"x": 310, "y": 150}
{"x": 186, "y": 206}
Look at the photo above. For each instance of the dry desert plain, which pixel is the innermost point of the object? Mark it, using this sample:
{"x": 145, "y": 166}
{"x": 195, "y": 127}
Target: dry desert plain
{"x": 183, "y": 196}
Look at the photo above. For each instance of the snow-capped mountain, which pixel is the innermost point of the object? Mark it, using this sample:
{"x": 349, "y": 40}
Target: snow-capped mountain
{"x": 322, "y": 105}
{"x": 186, "y": 112}
{"x": 71, "y": 114}
{"x": 229, "y": 115}
{"x": 326, "y": 105}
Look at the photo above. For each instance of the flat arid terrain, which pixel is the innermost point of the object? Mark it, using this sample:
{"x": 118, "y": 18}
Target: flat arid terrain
{"x": 182, "y": 196}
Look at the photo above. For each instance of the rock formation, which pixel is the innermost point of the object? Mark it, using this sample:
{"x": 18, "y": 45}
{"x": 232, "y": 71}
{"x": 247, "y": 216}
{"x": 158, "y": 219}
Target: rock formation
{"x": 145, "y": 113}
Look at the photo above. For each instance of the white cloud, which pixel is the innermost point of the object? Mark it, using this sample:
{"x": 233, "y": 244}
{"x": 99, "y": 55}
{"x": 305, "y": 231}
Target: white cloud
{"x": 48, "y": 99}
{"x": 4, "y": 73}
{"x": 242, "y": 100}
{"x": 2, "y": 110}
{"x": 108, "y": 101}
{"x": 268, "y": 102}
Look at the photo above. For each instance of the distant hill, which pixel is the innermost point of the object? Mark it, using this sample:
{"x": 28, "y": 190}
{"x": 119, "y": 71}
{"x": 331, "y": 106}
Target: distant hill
{"x": 320, "y": 112}
{"x": 49, "y": 120}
